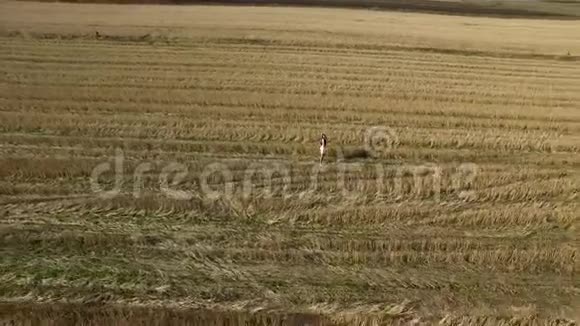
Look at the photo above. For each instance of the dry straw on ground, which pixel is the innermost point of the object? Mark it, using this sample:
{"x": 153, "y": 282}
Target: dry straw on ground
{"x": 248, "y": 87}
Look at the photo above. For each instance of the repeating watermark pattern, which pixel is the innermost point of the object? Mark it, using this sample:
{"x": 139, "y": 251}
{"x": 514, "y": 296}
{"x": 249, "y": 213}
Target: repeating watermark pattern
{"x": 341, "y": 178}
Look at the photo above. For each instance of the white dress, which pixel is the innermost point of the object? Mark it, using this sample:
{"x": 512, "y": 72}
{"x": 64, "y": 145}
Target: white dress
{"x": 322, "y": 147}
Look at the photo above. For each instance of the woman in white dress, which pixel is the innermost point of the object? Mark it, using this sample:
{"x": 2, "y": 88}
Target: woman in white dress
{"x": 323, "y": 143}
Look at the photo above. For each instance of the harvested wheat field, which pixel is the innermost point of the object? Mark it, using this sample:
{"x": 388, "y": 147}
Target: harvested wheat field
{"x": 166, "y": 171}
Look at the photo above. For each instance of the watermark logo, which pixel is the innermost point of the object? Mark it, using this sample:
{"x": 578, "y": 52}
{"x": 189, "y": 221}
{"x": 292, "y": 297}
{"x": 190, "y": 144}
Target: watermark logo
{"x": 380, "y": 140}
{"x": 344, "y": 178}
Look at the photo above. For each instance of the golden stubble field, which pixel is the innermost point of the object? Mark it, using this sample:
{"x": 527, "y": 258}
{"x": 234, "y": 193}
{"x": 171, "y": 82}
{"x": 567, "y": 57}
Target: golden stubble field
{"x": 166, "y": 172}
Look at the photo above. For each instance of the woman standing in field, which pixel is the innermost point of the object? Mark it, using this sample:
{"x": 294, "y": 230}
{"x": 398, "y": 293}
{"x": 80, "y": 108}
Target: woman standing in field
{"x": 323, "y": 143}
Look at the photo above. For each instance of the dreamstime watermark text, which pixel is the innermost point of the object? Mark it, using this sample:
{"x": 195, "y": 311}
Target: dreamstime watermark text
{"x": 343, "y": 176}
